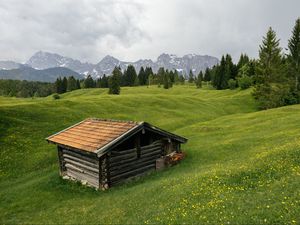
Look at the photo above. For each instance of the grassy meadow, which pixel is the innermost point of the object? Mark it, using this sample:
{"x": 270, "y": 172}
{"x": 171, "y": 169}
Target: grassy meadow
{"x": 242, "y": 165}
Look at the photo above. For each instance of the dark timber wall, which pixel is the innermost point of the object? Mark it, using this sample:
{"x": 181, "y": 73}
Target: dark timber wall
{"x": 134, "y": 156}
{"x": 78, "y": 166}
{"x": 132, "y": 162}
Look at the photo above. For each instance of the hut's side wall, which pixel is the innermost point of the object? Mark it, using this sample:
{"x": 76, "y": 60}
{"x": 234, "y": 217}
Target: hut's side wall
{"x": 126, "y": 163}
{"x": 78, "y": 166}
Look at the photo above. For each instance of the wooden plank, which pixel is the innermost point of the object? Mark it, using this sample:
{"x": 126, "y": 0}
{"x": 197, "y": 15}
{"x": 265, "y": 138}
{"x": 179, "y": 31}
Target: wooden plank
{"x": 125, "y": 165}
{"x": 156, "y": 152}
{"x": 151, "y": 150}
{"x": 132, "y": 167}
{"x": 123, "y": 152}
{"x": 82, "y": 166}
{"x": 123, "y": 162}
{"x": 123, "y": 157}
{"x": 81, "y": 156}
{"x": 95, "y": 165}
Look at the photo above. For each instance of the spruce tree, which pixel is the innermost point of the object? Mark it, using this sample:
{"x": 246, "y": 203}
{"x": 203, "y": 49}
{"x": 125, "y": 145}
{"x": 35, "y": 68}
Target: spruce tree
{"x": 89, "y": 82}
{"x": 114, "y": 81}
{"x": 104, "y": 81}
{"x": 199, "y": 79}
{"x": 244, "y": 59}
{"x": 294, "y": 53}
{"x": 270, "y": 59}
{"x": 131, "y": 76}
{"x": 207, "y": 76}
{"x": 166, "y": 80}
{"x": 160, "y": 76}
{"x": 64, "y": 85}
{"x": 191, "y": 77}
{"x": 72, "y": 84}
{"x": 148, "y": 73}
{"x": 78, "y": 84}
{"x": 59, "y": 86}
{"x": 142, "y": 76}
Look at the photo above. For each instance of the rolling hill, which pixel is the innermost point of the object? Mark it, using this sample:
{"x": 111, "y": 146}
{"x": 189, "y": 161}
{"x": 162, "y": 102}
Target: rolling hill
{"x": 242, "y": 165}
{"x": 45, "y": 75}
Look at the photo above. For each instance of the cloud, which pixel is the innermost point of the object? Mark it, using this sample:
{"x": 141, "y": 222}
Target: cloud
{"x": 133, "y": 29}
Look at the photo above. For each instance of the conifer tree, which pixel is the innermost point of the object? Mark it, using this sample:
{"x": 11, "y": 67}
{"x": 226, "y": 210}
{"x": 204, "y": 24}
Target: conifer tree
{"x": 207, "y": 75}
{"x": 78, "y": 84}
{"x": 64, "y": 84}
{"x": 244, "y": 59}
{"x": 89, "y": 82}
{"x": 142, "y": 76}
{"x": 114, "y": 81}
{"x": 72, "y": 84}
{"x": 294, "y": 53}
{"x": 166, "y": 80}
{"x": 270, "y": 59}
{"x": 199, "y": 79}
{"x": 191, "y": 77}
{"x": 131, "y": 76}
{"x": 148, "y": 73}
{"x": 59, "y": 86}
{"x": 160, "y": 76}
{"x": 104, "y": 81}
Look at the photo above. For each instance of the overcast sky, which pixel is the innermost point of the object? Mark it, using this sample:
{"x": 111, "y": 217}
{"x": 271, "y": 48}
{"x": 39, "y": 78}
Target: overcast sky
{"x": 133, "y": 29}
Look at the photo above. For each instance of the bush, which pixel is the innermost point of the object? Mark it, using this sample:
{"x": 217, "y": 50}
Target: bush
{"x": 232, "y": 84}
{"x": 274, "y": 96}
{"x": 245, "y": 82}
{"x": 56, "y": 96}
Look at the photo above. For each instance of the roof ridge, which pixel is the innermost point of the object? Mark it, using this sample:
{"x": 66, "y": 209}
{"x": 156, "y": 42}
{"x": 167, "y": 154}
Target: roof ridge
{"x": 114, "y": 120}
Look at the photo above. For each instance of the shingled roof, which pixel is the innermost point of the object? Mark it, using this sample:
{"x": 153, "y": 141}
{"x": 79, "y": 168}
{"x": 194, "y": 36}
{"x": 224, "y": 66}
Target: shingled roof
{"x": 95, "y": 135}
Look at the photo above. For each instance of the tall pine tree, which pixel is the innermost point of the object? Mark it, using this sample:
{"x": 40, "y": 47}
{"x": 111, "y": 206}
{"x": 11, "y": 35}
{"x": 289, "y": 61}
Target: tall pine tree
{"x": 114, "y": 81}
{"x": 294, "y": 53}
{"x": 270, "y": 59}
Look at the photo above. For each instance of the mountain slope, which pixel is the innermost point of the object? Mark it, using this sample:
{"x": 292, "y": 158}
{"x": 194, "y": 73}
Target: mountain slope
{"x": 30, "y": 74}
{"x": 242, "y": 166}
{"x": 43, "y": 60}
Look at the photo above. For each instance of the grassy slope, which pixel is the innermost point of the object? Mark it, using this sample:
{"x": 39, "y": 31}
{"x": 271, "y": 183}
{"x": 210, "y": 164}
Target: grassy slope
{"x": 242, "y": 165}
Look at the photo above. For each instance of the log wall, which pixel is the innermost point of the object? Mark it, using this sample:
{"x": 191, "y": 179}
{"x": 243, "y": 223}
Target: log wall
{"x": 80, "y": 167}
{"x": 123, "y": 164}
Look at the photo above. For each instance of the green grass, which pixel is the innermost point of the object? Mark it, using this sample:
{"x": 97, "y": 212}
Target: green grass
{"x": 242, "y": 166}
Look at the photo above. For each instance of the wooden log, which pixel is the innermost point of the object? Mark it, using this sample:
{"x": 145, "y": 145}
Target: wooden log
{"x": 151, "y": 151}
{"x": 96, "y": 170}
{"x": 83, "y": 157}
{"x": 81, "y": 161}
{"x": 123, "y": 162}
{"x": 125, "y": 165}
{"x": 132, "y": 172}
{"x": 147, "y": 147}
{"x": 83, "y": 177}
{"x": 123, "y": 157}
{"x": 156, "y": 152}
{"x": 123, "y": 152}
{"x": 72, "y": 167}
{"x": 132, "y": 167}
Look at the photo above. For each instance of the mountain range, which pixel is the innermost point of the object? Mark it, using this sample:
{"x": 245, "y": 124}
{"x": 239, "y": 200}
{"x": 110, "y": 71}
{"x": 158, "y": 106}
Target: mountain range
{"x": 37, "y": 67}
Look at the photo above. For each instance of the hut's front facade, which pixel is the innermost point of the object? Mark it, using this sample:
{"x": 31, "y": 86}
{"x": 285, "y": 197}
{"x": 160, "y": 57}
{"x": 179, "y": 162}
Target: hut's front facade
{"x": 103, "y": 153}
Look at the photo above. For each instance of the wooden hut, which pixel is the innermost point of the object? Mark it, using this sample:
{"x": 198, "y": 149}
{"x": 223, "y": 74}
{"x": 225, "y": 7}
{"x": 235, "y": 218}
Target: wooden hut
{"x": 102, "y": 153}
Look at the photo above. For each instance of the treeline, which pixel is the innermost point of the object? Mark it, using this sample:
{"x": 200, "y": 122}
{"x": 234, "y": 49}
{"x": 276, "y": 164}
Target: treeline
{"x": 25, "y": 89}
{"x": 129, "y": 77}
{"x": 274, "y": 75}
